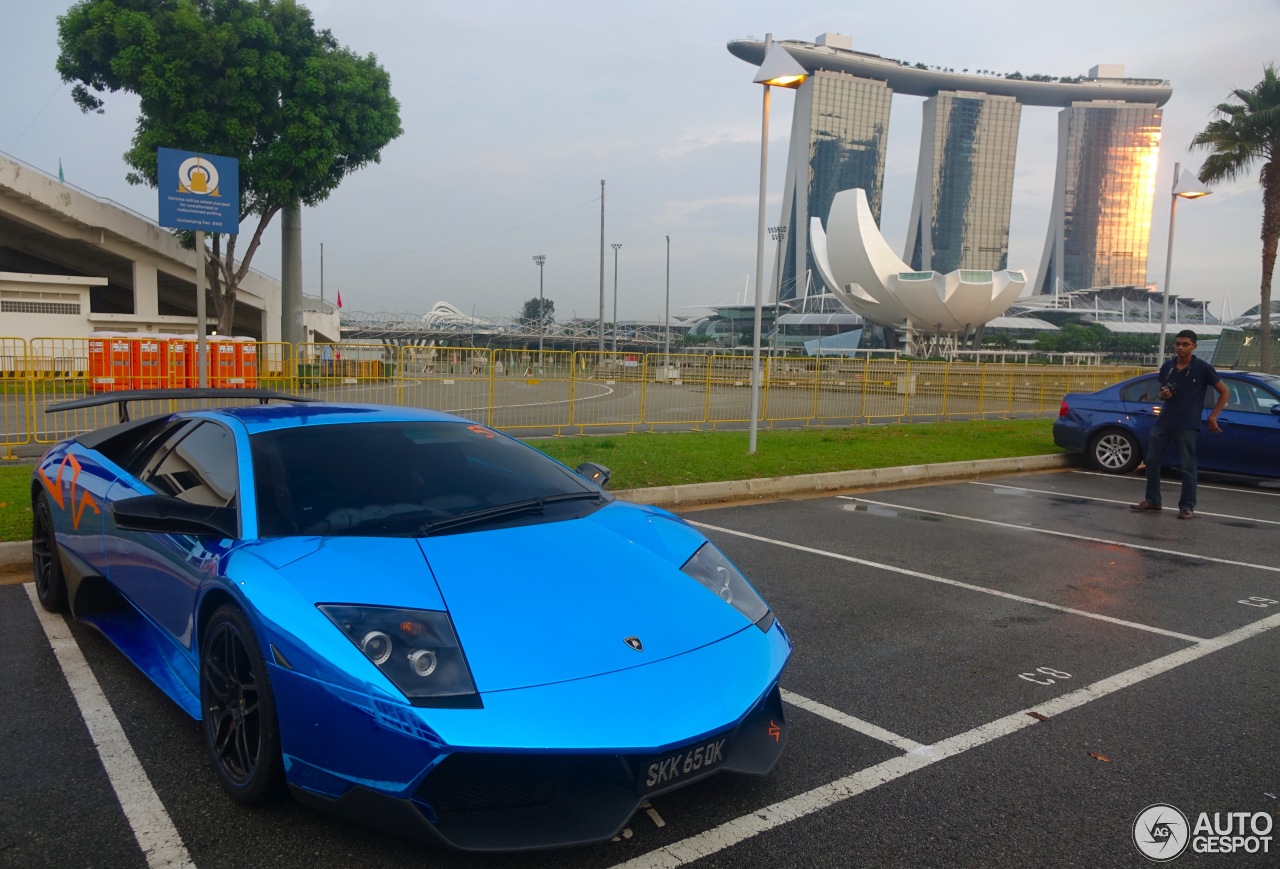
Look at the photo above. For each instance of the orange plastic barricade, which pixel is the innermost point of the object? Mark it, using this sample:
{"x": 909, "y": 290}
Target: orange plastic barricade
{"x": 147, "y": 354}
{"x": 110, "y": 361}
{"x": 246, "y": 362}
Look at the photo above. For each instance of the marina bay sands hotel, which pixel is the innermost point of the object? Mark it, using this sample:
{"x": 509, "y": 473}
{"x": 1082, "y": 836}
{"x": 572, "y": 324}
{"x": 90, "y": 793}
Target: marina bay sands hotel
{"x": 1108, "y": 141}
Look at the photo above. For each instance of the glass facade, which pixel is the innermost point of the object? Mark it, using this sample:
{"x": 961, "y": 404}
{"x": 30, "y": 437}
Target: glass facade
{"x": 1101, "y": 219}
{"x": 964, "y": 185}
{"x": 839, "y": 130}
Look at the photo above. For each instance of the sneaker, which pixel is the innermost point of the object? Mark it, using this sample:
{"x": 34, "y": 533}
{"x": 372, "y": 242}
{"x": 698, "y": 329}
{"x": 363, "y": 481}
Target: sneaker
{"x": 1146, "y": 507}
{"x": 1186, "y": 513}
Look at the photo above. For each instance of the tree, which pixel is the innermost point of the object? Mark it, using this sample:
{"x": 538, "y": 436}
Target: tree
{"x": 1245, "y": 132}
{"x": 249, "y": 79}
{"x": 529, "y": 313}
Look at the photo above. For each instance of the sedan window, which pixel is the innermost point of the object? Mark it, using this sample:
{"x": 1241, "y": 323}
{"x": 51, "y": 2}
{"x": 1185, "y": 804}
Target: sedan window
{"x": 1140, "y": 390}
{"x": 1243, "y": 396}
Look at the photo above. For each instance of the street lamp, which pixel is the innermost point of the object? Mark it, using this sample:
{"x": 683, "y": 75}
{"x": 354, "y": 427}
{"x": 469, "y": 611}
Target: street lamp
{"x": 615, "y": 298}
{"x": 1185, "y": 186}
{"x": 778, "y": 69}
{"x": 540, "y": 259}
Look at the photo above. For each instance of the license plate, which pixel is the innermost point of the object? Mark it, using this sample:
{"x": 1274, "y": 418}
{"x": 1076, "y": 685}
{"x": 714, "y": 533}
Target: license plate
{"x": 683, "y": 763}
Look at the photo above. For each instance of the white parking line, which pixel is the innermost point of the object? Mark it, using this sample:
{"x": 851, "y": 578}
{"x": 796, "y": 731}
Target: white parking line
{"x": 953, "y": 582}
{"x": 152, "y": 828}
{"x": 767, "y": 818}
{"x": 1143, "y": 480}
{"x": 866, "y": 728}
{"x": 1124, "y": 543}
{"x": 1112, "y": 501}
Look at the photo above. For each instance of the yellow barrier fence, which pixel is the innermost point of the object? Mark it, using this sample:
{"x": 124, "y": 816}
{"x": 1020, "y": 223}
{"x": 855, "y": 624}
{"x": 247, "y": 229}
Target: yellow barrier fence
{"x": 521, "y": 390}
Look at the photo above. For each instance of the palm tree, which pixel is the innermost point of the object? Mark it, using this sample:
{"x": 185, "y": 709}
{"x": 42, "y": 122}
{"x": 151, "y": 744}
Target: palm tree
{"x": 1245, "y": 132}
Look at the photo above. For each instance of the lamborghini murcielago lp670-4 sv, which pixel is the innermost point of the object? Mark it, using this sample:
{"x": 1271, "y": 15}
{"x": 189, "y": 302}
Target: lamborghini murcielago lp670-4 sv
{"x": 410, "y": 619}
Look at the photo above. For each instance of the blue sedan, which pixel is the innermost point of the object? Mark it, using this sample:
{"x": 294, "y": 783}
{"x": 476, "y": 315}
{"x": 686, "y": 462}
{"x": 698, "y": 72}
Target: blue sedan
{"x": 410, "y": 619}
{"x": 1110, "y": 426}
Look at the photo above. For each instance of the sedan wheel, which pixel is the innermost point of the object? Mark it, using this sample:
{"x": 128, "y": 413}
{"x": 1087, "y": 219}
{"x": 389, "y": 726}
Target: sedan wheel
{"x": 1115, "y": 451}
{"x": 239, "y": 709}
{"x": 51, "y": 588}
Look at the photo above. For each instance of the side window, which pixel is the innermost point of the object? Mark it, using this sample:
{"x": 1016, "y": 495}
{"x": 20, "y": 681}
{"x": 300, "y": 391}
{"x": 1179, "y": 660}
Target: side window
{"x": 201, "y": 467}
{"x": 146, "y": 454}
{"x": 1141, "y": 390}
{"x": 1246, "y": 397}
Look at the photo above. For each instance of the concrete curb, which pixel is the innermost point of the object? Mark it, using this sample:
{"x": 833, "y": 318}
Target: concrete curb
{"x": 17, "y": 555}
{"x": 697, "y": 494}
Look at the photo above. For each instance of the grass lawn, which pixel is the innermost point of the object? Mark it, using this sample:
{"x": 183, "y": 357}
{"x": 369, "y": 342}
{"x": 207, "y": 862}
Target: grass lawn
{"x": 641, "y": 460}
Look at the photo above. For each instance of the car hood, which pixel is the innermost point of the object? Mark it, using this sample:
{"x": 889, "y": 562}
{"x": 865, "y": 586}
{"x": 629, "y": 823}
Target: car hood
{"x": 548, "y": 603}
{"x": 535, "y": 604}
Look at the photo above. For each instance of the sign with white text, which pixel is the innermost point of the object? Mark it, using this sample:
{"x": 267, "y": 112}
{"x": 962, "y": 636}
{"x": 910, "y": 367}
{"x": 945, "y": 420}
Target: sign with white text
{"x": 199, "y": 191}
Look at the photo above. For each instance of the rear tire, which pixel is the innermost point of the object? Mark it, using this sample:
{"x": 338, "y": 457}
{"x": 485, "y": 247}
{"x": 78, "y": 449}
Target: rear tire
{"x": 1114, "y": 451}
{"x": 46, "y": 567}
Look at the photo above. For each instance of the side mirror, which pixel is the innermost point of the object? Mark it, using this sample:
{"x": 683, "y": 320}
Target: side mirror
{"x": 597, "y": 474}
{"x": 164, "y": 514}
{"x": 1275, "y": 409}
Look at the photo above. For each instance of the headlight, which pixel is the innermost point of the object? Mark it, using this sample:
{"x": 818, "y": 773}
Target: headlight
{"x": 715, "y": 572}
{"x": 416, "y": 649}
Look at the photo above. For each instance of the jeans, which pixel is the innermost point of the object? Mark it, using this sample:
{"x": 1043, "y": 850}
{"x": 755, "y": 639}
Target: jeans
{"x": 1185, "y": 438}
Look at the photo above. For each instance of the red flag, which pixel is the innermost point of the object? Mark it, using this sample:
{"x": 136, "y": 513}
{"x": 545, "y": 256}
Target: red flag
{"x": 339, "y": 298}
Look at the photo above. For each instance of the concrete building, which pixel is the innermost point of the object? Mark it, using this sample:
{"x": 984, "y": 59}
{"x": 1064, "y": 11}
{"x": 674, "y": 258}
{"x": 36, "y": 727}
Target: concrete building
{"x": 964, "y": 185}
{"x": 72, "y": 264}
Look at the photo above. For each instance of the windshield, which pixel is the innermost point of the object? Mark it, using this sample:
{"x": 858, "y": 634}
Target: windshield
{"x": 407, "y": 479}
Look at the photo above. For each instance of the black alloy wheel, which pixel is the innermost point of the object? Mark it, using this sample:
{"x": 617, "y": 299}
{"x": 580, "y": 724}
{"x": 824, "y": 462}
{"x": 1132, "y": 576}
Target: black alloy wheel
{"x": 239, "y": 709}
{"x": 51, "y": 588}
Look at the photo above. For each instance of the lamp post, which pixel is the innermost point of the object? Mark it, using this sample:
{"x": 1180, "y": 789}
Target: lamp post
{"x": 615, "y": 247}
{"x": 540, "y": 259}
{"x": 666, "y": 318}
{"x": 778, "y": 69}
{"x": 1186, "y": 186}
{"x": 600, "y": 337}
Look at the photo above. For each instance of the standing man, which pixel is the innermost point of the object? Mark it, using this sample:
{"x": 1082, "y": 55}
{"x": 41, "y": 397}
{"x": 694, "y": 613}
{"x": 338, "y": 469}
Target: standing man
{"x": 1183, "y": 382}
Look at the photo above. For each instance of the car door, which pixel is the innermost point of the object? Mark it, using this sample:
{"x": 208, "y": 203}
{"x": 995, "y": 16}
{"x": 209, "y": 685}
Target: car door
{"x": 161, "y": 573}
{"x": 1250, "y": 438}
{"x": 1142, "y": 405}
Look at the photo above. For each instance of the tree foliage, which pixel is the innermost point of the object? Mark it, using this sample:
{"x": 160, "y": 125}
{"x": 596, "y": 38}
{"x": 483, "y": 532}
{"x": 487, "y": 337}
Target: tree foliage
{"x": 1245, "y": 132}
{"x": 530, "y": 314}
{"x": 249, "y": 79}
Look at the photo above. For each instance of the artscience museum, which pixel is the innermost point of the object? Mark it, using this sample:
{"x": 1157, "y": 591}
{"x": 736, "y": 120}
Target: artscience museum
{"x": 859, "y": 267}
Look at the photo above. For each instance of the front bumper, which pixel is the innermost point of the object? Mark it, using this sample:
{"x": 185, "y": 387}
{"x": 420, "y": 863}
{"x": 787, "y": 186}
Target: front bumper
{"x": 501, "y": 802}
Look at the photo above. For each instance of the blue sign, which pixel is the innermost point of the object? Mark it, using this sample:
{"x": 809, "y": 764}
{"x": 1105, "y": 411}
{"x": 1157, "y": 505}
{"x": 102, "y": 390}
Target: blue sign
{"x": 199, "y": 191}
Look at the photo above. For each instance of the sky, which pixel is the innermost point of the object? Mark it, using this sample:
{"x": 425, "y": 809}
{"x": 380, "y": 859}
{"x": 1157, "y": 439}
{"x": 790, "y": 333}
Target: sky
{"x": 514, "y": 112}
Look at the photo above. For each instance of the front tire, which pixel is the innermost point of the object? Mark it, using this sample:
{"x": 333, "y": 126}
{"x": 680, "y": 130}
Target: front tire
{"x": 46, "y": 568}
{"x": 239, "y": 713}
{"x": 1115, "y": 451}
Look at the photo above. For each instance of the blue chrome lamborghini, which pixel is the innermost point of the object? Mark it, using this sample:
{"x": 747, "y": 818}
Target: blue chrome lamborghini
{"x": 410, "y": 619}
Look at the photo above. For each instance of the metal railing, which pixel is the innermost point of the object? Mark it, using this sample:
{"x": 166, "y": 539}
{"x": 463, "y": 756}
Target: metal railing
{"x": 524, "y": 391}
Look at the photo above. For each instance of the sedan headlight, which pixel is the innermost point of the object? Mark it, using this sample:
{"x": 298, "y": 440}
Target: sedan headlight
{"x": 714, "y": 571}
{"x": 416, "y": 649}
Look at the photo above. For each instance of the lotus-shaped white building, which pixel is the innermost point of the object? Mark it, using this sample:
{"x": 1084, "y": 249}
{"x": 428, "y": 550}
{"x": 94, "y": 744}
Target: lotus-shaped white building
{"x": 860, "y": 267}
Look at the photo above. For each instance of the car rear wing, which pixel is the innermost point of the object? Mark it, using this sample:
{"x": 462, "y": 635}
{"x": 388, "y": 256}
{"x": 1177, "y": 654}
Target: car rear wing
{"x": 122, "y": 398}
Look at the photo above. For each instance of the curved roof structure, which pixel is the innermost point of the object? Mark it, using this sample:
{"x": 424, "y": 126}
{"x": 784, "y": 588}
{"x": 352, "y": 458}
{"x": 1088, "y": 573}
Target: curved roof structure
{"x": 906, "y": 79}
{"x": 858, "y": 264}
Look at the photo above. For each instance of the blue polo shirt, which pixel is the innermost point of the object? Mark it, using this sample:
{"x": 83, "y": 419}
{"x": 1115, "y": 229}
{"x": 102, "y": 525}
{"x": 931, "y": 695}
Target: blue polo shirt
{"x": 1189, "y": 385}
